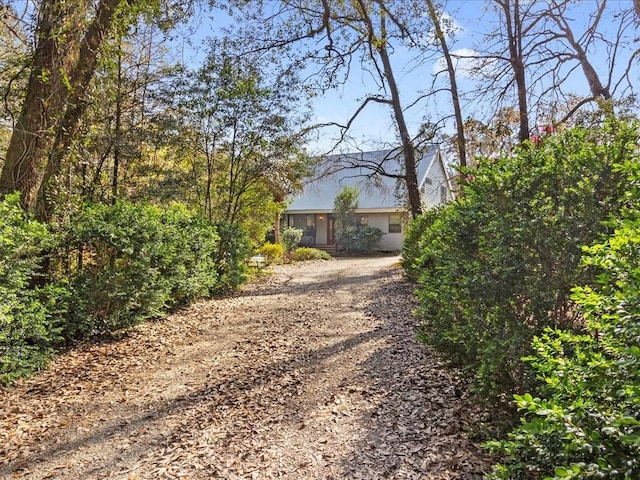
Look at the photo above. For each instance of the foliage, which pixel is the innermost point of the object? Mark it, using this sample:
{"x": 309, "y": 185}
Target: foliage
{"x": 230, "y": 256}
{"x": 412, "y": 246}
{"x": 28, "y": 316}
{"x": 359, "y": 240}
{"x": 272, "y": 252}
{"x": 497, "y": 267}
{"x": 303, "y": 254}
{"x": 289, "y": 238}
{"x": 133, "y": 262}
{"x": 353, "y": 238}
{"x": 344, "y": 206}
{"x": 586, "y": 422}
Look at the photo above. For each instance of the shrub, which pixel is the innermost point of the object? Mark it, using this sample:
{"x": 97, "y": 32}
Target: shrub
{"x": 359, "y": 240}
{"x": 412, "y": 247}
{"x": 497, "y": 267}
{"x": 289, "y": 238}
{"x": 28, "y": 315}
{"x": 230, "y": 257}
{"x": 122, "y": 257}
{"x": 272, "y": 252}
{"x": 585, "y": 423}
{"x": 303, "y": 254}
{"x": 135, "y": 262}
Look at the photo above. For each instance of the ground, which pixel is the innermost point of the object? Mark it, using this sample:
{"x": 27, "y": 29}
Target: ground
{"x": 313, "y": 372}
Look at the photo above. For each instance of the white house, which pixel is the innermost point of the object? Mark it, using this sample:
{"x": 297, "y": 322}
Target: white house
{"x": 382, "y": 201}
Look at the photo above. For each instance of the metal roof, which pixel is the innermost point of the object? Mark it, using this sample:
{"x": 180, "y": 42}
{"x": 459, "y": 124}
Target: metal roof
{"x": 361, "y": 169}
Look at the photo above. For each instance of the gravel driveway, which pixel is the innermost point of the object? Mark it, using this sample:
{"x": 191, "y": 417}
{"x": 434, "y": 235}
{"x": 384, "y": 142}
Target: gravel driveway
{"x": 312, "y": 373}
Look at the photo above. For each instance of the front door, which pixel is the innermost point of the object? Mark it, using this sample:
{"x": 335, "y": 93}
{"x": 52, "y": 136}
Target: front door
{"x": 331, "y": 230}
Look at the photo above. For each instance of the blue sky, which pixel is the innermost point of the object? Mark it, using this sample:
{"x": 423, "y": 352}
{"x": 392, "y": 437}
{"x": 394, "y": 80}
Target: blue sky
{"x": 376, "y": 128}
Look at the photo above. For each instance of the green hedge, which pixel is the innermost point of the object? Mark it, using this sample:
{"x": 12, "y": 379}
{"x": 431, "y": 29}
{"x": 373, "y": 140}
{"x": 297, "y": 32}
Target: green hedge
{"x": 497, "y": 267}
{"x": 134, "y": 262}
{"x": 109, "y": 268}
{"x": 28, "y": 323}
{"x": 584, "y": 421}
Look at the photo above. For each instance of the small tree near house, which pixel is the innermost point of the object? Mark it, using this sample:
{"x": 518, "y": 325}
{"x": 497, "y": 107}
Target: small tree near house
{"x": 353, "y": 238}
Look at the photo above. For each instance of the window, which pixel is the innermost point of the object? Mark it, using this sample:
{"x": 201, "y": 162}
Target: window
{"x": 443, "y": 194}
{"x": 395, "y": 223}
{"x": 428, "y": 181}
{"x": 363, "y": 221}
{"x": 310, "y": 221}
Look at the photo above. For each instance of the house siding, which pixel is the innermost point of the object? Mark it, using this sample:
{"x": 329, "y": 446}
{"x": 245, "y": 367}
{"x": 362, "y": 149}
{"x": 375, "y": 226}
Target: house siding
{"x": 431, "y": 189}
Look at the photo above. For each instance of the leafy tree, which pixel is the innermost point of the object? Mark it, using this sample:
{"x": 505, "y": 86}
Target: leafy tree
{"x": 69, "y": 39}
{"x": 240, "y": 125}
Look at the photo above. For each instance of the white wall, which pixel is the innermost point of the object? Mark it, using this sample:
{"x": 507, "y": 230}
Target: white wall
{"x": 390, "y": 241}
{"x": 431, "y": 192}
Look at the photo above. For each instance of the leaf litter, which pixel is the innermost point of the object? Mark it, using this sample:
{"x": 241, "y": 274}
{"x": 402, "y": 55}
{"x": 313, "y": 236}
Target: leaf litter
{"x": 312, "y": 373}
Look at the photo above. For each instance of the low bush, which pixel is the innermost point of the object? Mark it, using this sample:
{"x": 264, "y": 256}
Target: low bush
{"x": 584, "y": 421}
{"x": 303, "y": 254}
{"x": 109, "y": 268}
{"x": 272, "y": 252}
{"x": 359, "y": 240}
{"x": 289, "y": 238}
{"x": 126, "y": 263}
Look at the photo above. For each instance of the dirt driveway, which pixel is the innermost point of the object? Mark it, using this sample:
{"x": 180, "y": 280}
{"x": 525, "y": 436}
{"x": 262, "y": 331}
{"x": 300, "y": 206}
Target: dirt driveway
{"x": 313, "y": 373}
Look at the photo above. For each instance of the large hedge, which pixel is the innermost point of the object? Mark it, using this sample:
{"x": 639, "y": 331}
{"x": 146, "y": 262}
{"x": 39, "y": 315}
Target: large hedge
{"x": 131, "y": 262}
{"x": 109, "y": 268}
{"x": 28, "y": 327}
{"x": 496, "y": 268}
{"x": 584, "y": 420}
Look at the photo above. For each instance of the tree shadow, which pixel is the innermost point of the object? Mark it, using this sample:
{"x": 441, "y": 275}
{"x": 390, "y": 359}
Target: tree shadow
{"x": 419, "y": 426}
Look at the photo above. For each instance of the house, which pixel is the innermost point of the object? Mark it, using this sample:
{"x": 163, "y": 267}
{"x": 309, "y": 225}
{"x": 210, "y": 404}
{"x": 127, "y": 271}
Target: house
{"x": 382, "y": 201}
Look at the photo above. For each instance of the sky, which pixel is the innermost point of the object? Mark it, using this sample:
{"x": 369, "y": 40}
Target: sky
{"x": 376, "y": 129}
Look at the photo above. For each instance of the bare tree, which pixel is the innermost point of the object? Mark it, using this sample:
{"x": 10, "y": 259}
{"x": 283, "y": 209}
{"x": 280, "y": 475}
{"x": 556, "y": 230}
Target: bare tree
{"x": 343, "y": 37}
{"x": 461, "y": 142}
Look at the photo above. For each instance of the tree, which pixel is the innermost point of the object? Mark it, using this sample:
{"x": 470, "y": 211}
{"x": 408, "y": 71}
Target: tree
{"x": 335, "y": 36}
{"x": 69, "y": 38}
{"x": 241, "y": 125}
{"x": 63, "y": 64}
{"x": 461, "y": 143}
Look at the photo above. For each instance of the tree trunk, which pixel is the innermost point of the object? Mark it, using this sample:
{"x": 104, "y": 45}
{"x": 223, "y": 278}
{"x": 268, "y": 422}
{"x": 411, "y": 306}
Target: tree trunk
{"x": 408, "y": 148}
{"x": 460, "y": 139}
{"x": 64, "y": 62}
{"x": 31, "y": 137}
{"x": 117, "y": 148}
{"x": 514, "y": 32}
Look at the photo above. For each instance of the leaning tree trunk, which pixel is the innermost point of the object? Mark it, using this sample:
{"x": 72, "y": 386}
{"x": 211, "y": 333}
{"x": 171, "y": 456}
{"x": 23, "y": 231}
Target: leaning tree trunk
{"x": 64, "y": 63}
{"x": 408, "y": 148}
{"x": 455, "y": 98}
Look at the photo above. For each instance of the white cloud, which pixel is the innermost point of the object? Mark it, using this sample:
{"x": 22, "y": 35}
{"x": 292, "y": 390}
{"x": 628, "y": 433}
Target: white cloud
{"x": 466, "y": 63}
{"x": 449, "y": 26}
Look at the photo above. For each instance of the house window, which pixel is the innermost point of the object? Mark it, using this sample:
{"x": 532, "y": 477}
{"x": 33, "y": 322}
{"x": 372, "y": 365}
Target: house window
{"x": 310, "y": 221}
{"x": 443, "y": 194}
{"x": 428, "y": 181}
{"x": 363, "y": 221}
{"x": 395, "y": 223}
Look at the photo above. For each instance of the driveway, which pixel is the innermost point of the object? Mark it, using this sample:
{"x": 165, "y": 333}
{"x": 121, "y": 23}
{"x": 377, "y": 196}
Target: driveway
{"x": 311, "y": 373}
